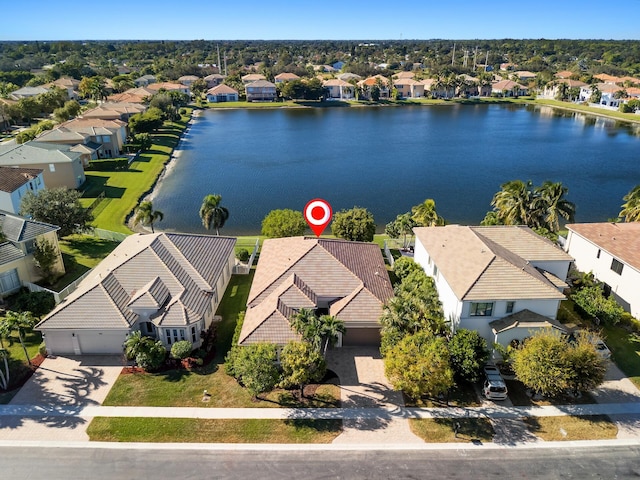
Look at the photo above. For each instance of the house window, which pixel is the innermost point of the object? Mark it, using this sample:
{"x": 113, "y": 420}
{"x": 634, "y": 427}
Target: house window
{"x": 52, "y": 167}
{"x": 174, "y": 335}
{"x": 598, "y": 254}
{"x": 481, "y": 309}
{"x": 9, "y": 281}
{"x": 510, "y": 306}
{"x": 435, "y": 270}
{"x": 616, "y": 266}
{"x": 193, "y": 335}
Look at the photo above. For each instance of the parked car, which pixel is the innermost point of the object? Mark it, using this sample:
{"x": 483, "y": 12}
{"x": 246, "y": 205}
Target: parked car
{"x": 494, "y": 387}
{"x": 602, "y": 349}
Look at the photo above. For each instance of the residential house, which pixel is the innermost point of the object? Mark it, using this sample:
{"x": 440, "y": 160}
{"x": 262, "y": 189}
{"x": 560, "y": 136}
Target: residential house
{"x": 26, "y": 92}
{"x": 564, "y": 74}
{"x": 348, "y": 76}
{"x": 61, "y": 165}
{"x": 611, "y": 251}
{"x": 488, "y": 274}
{"x": 261, "y": 91}
{"x": 252, "y": 77}
{"x": 286, "y": 77}
{"x": 337, "y": 89}
{"x": 404, "y": 75}
{"x": 187, "y": 80}
{"x": 525, "y": 75}
{"x": 133, "y": 95}
{"x": 408, "y": 87}
{"x": 552, "y": 89}
{"x": 508, "y": 88}
{"x": 70, "y": 85}
{"x": 436, "y": 90}
{"x": 166, "y": 285}
{"x": 15, "y": 182}
{"x": 144, "y": 80}
{"x": 169, "y": 87}
{"x": 114, "y": 111}
{"x": 604, "y": 78}
{"x": 610, "y": 96}
{"x": 214, "y": 79}
{"x": 345, "y": 279}
{"x": 222, "y": 93}
{"x": 106, "y": 137}
{"x": 16, "y": 251}
{"x": 381, "y": 82}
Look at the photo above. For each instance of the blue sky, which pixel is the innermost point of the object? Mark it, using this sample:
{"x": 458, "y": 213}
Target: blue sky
{"x": 303, "y": 20}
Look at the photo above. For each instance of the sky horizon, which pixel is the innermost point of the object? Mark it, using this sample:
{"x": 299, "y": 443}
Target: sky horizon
{"x": 295, "y": 20}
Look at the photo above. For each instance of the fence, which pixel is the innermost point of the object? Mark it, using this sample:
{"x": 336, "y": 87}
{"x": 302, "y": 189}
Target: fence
{"x": 61, "y": 295}
{"x": 245, "y": 268}
{"x": 96, "y": 202}
{"x": 387, "y": 253}
{"x": 109, "y": 235}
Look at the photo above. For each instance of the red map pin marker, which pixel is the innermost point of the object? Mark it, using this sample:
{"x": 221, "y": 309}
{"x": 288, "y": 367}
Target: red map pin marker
{"x": 318, "y": 214}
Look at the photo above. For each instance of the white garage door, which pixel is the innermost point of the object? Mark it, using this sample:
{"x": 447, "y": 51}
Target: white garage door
{"x": 59, "y": 343}
{"x": 101, "y": 342}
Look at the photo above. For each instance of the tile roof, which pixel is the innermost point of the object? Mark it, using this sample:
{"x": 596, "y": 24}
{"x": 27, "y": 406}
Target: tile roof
{"x": 173, "y": 273}
{"x": 114, "y": 110}
{"x": 261, "y": 83}
{"x": 252, "y": 77}
{"x": 336, "y": 82}
{"x": 168, "y": 86}
{"x": 621, "y": 240}
{"x": 479, "y": 264}
{"x": 287, "y": 76}
{"x": 506, "y": 85}
{"x": 35, "y": 152}
{"x": 9, "y": 253}
{"x": 12, "y": 178}
{"x": 18, "y": 229}
{"x": 564, "y": 74}
{"x": 525, "y": 319}
{"x": 222, "y": 88}
{"x": 295, "y": 272}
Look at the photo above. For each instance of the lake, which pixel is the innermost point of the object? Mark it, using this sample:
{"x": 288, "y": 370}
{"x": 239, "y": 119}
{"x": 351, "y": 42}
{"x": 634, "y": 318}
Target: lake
{"x": 387, "y": 159}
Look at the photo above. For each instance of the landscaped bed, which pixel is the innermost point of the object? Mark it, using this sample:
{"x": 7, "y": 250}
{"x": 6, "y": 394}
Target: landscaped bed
{"x": 194, "y": 430}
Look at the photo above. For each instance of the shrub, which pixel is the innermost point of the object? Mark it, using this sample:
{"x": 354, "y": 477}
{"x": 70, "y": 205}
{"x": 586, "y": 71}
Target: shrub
{"x": 152, "y": 357}
{"x": 594, "y": 303}
{"x": 38, "y": 303}
{"x": 403, "y": 266}
{"x": 243, "y": 255}
{"x": 109, "y": 164}
{"x": 42, "y": 349}
{"x": 181, "y": 349}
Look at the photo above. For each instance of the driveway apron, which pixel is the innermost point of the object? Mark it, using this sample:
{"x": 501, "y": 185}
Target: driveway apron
{"x": 65, "y": 383}
{"x": 363, "y": 385}
{"x": 617, "y": 388}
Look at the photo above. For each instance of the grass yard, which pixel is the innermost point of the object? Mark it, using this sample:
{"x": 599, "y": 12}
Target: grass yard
{"x": 124, "y": 189}
{"x": 442, "y": 430}
{"x": 625, "y": 350}
{"x": 593, "y": 427}
{"x": 19, "y": 370}
{"x": 193, "y": 430}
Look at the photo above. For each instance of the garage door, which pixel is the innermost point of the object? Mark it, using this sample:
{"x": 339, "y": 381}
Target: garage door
{"x": 101, "y": 342}
{"x": 361, "y": 337}
{"x": 59, "y": 343}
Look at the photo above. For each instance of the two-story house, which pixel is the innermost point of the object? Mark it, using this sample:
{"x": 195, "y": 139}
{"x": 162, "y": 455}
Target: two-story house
{"x": 611, "y": 251}
{"x": 16, "y": 251}
{"x": 501, "y": 281}
{"x": 108, "y": 135}
{"x": 15, "y": 182}
{"x": 261, "y": 91}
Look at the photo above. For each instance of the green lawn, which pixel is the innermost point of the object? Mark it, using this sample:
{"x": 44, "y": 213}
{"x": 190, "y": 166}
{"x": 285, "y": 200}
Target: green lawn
{"x": 19, "y": 370}
{"x": 566, "y": 427}
{"x": 625, "y": 350}
{"x": 442, "y": 430}
{"x": 124, "y": 189}
{"x": 629, "y": 117}
{"x": 193, "y": 430}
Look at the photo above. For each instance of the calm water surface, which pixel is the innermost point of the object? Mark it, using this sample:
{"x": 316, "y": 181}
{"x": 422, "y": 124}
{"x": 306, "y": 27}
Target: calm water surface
{"x": 388, "y": 159}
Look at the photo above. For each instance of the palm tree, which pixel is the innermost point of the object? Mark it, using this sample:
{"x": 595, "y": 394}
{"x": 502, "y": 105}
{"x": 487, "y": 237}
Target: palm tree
{"x": 146, "y": 215}
{"x": 552, "y": 205}
{"x": 305, "y": 323}
{"x": 631, "y": 208}
{"x": 135, "y": 344}
{"x": 425, "y": 214}
{"x": 331, "y": 327}
{"x": 212, "y": 213}
{"x": 21, "y": 323}
{"x": 514, "y": 203}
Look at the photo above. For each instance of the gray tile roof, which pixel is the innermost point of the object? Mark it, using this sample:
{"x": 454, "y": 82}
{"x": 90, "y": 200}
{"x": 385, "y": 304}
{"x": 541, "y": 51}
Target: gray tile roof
{"x": 9, "y": 253}
{"x": 35, "y": 152}
{"x": 12, "y": 178}
{"x": 174, "y": 273}
{"x": 19, "y": 229}
{"x": 525, "y": 319}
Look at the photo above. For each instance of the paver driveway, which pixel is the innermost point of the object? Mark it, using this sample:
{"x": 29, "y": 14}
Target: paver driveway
{"x": 66, "y": 383}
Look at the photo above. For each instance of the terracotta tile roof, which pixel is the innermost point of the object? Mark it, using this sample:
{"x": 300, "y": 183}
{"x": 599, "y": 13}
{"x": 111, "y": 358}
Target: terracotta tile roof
{"x": 261, "y": 84}
{"x": 621, "y": 240}
{"x": 133, "y": 95}
{"x": 168, "y": 86}
{"x": 478, "y": 264}
{"x": 294, "y": 272}
{"x": 222, "y": 88}
{"x": 287, "y": 76}
{"x": 252, "y": 77}
{"x": 371, "y": 81}
{"x": 608, "y": 78}
{"x": 404, "y": 75}
{"x": 336, "y": 82}
{"x": 564, "y": 74}
{"x": 12, "y": 178}
{"x": 506, "y": 85}
{"x": 573, "y": 83}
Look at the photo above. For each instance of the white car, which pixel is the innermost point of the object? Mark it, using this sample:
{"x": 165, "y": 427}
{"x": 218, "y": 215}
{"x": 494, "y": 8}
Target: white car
{"x": 602, "y": 349}
{"x": 493, "y": 387}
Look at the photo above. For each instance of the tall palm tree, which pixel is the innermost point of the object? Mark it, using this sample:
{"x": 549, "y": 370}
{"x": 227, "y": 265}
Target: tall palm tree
{"x": 514, "y": 203}
{"x": 306, "y": 323}
{"x": 213, "y": 214}
{"x": 631, "y": 208}
{"x": 331, "y": 327}
{"x": 146, "y": 215}
{"x": 425, "y": 214}
{"x": 21, "y": 323}
{"x": 552, "y": 205}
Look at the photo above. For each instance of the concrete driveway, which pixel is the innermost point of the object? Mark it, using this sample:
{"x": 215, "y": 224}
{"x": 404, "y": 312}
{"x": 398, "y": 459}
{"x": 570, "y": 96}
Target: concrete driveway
{"x": 617, "y": 388}
{"x": 64, "y": 382}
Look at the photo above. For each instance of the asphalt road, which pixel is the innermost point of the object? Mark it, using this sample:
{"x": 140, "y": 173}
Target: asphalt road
{"x": 38, "y": 462}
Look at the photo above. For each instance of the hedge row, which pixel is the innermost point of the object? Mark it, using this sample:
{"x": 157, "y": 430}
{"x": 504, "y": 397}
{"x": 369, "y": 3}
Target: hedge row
{"x": 109, "y": 164}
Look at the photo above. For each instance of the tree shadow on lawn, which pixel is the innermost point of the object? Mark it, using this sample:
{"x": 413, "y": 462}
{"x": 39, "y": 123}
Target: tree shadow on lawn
{"x": 474, "y": 430}
{"x": 98, "y": 184}
{"x": 179, "y": 374}
{"x": 91, "y": 247}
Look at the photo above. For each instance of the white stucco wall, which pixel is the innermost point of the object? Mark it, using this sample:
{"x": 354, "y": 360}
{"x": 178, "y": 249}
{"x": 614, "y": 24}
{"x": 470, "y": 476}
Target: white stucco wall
{"x": 560, "y": 268}
{"x": 626, "y": 287}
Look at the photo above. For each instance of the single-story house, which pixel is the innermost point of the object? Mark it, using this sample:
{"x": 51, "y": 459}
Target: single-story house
{"x": 214, "y": 79}
{"x": 16, "y": 251}
{"x": 484, "y": 274}
{"x": 611, "y": 251}
{"x": 61, "y": 164}
{"x": 15, "y": 182}
{"x": 508, "y": 88}
{"x": 347, "y": 76}
{"x": 285, "y": 77}
{"x": 26, "y": 92}
{"x": 345, "y": 279}
{"x": 167, "y": 285}
{"x": 337, "y": 89}
{"x": 222, "y": 93}
{"x": 261, "y": 91}
{"x": 169, "y": 87}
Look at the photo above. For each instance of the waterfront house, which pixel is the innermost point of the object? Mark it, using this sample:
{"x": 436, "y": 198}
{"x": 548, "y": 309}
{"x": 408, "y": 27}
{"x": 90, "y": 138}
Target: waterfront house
{"x": 261, "y": 91}
{"x": 345, "y": 279}
{"x": 214, "y": 79}
{"x": 611, "y": 251}
{"x": 61, "y": 165}
{"x": 378, "y": 80}
{"x": 286, "y": 77}
{"x": 252, "y": 77}
{"x": 610, "y": 96}
{"x": 166, "y": 285}
{"x": 337, "y": 89}
{"x": 187, "y": 80}
{"x": 408, "y": 87}
{"x": 503, "y": 274}
{"x": 222, "y": 93}
{"x": 508, "y": 88}
{"x": 15, "y": 182}
{"x": 169, "y": 87}
{"x": 552, "y": 89}
{"x": 16, "y": 251}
